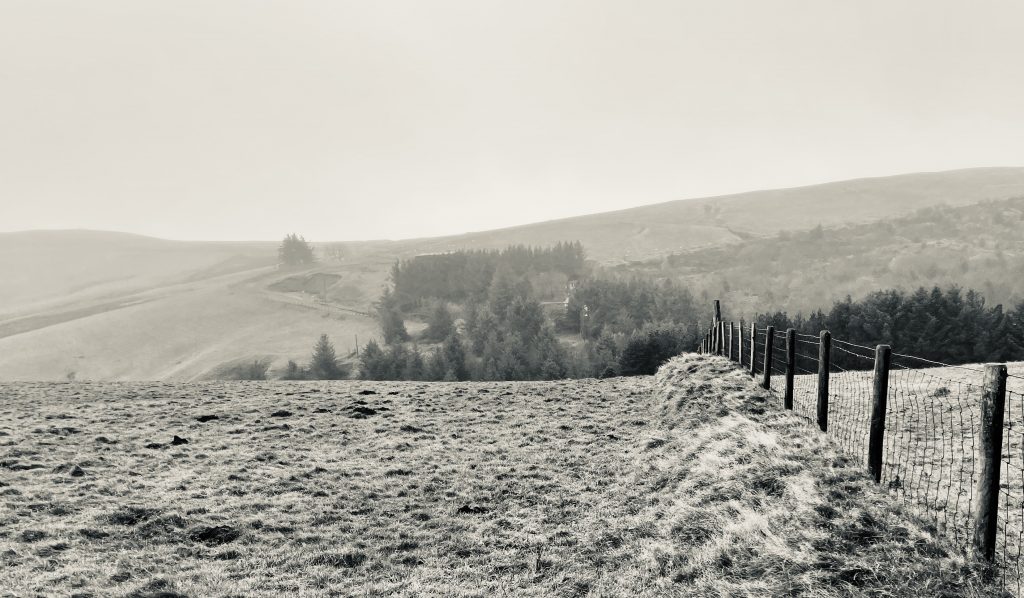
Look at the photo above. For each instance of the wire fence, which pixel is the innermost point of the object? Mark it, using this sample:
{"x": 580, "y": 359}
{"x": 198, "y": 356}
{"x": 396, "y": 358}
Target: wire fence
{"x": 931, "y": 450}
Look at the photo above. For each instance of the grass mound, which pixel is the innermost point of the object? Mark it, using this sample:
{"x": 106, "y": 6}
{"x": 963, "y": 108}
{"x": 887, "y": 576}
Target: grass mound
{"x": 762, "y": 504}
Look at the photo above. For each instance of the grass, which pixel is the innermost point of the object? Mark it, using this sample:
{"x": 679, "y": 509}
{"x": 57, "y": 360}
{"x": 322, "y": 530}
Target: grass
{"x": 686, "y": 484}
{"x": 929, "y": 451}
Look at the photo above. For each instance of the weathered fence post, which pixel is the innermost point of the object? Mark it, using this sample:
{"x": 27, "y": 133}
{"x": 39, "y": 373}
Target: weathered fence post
{"x": 753, "y": 349}
{"x": 986, "y": 495}
{"x": 728, "y": 345}
{"x": 739, "y": 340}
{"x": 766, "y": 380}
{"x": 721, "y": 335}
{"x": 880, "y": 396}
{"x": 824, "y": 365}
{"x": 716, "y": 347}
{"x": 787, "y": 401}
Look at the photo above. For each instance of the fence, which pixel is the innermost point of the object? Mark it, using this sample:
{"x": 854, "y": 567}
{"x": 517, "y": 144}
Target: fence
{"x": 946, "y": 440}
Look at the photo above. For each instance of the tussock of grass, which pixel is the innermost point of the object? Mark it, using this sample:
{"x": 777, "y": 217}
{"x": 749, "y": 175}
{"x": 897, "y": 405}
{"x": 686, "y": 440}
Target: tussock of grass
{"x": 686, "y": 484}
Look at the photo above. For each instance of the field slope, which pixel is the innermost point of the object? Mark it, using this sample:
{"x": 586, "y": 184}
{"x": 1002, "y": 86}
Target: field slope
{"x": 685, "y": 484}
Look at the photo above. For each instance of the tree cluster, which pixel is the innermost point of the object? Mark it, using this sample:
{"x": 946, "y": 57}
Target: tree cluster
{"x": 948, "y": 326}
{"x": 467, "y": 275}
{"x": 295, "y": 251}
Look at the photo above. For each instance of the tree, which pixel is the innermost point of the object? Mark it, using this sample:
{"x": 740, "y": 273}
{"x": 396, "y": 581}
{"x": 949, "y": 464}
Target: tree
{"x": 440, "y": 324}
{"x": 325, "y": 365}
{"x": 374, "y": 362}
{"x": 293, "y": 372}
{"x": 295, "y": 251}
{"x": 392, "y": 324}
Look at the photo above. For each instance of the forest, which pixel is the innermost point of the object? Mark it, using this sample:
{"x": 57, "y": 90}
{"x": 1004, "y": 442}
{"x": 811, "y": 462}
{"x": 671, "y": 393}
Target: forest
{"x": 944, "y": 325}
{"x": 485, "y": 319}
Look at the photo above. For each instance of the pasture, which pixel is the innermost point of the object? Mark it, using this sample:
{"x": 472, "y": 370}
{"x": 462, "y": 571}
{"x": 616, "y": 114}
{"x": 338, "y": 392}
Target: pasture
{"x": 690, "y": 483}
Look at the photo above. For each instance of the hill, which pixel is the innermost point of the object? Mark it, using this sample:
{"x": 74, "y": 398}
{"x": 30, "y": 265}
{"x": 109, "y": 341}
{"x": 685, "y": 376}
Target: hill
{"x": 977, "y": 246}
{"x": 656, "y": 230}
{"x": 109, "y": 306}
{"x": 688, "y": 484}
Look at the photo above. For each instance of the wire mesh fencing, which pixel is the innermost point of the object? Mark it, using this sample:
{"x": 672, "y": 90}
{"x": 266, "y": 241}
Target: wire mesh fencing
{"x": 929, "y": 450}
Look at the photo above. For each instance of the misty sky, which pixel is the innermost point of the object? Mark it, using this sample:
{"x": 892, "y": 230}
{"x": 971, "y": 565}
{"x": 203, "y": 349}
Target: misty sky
{"x": 247, "y": 119}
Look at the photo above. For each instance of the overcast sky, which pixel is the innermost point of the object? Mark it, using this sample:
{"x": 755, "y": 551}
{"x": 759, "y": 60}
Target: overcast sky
{"x": 247, "y": 119}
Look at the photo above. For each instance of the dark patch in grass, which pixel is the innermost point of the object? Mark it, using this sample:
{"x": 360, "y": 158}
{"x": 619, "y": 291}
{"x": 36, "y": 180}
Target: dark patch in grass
{"x": 206, "y": 418}
{"x": 178, "y": 441}
{"x": 366, "y": 392}
{"x": 93, "y": 534}
{"x": 32, "y": 535}
{"x": 281, "y": 413}
{"x": 342, "y": 560}
{"x": 471, "y": 510}
{"x": 131, "y": 515}
{"x": 215, "y": 535}
{"x": 361, "y": 412}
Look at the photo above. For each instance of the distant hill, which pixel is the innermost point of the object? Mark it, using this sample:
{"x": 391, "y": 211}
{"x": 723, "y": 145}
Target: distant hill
{"x": 41, "y": 268}
{"x": 654, "y": 230}
{"x": 980, "y": 246}
{"x": 111, "y": 306}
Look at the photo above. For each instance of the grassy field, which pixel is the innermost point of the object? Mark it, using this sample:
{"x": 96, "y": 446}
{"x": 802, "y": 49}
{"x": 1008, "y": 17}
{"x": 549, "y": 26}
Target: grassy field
{"x": 691, "y": 483}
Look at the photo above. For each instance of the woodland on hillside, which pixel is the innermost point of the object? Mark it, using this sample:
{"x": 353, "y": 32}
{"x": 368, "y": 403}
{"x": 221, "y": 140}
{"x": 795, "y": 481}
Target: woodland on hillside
{"x": 593, "y": 327}
{"x": 979, "y": 247}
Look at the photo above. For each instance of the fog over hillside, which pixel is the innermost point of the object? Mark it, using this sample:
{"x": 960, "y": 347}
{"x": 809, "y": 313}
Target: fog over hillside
{"x": 92, "y": 303}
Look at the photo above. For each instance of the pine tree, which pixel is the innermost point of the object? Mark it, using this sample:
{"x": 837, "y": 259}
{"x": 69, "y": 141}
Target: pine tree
{"x": 325, "y": 365}
{"x": 392, "y": 324}
{"x": 440, "y": 324}
{"x": 295, "y": 251}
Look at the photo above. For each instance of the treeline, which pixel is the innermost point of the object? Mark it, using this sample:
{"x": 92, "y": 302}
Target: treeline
{"x": 949, "y": 326}
{"x": 467, "y": 275}
{"x": 606, "y": 327}
{"x": 622, "y": 306}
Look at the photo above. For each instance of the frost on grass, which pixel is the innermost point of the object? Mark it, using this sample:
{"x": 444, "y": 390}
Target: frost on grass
{"x": 686, "y": 484}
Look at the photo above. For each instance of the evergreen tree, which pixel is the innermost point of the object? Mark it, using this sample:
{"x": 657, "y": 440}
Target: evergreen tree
{"x": 392, "y": 324}
{"x": 325, "y": 364}
{"x": 440, "y": 324}
{"x": 295, "y": 251}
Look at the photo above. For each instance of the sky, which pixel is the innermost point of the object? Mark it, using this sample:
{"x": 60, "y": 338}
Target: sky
{"x": 342, "y": 120}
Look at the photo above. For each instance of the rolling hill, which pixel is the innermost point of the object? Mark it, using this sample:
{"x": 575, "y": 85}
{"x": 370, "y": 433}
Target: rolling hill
{"x": 114, "y": 306}
{"x": 655, "y": 230}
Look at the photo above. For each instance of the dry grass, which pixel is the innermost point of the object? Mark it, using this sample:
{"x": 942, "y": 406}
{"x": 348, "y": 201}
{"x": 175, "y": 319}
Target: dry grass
{"x": 687, "y": 484}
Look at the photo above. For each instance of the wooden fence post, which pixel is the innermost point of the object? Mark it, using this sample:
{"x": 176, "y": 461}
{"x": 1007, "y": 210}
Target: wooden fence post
{"x": 766, "y": 380}
{"x": 787, "y": 401}
{"x": 986, "y": 494}
{"x": 880, "y": 397}
{"x": 824, "y": 365}
{"x": 728, "y": 345}
{"x": 739, "y": 340}
{"x": 721, "y": 337}
{"x": 753, "y": 349}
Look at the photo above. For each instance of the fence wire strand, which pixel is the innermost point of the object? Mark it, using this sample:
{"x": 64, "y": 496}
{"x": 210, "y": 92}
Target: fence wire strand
{"x": 931, "y": 435}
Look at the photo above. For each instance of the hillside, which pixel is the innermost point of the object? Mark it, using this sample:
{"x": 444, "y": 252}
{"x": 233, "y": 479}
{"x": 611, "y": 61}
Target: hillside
{"x": 656, "y": 230}
{"x": 688, "y": 484}
{"x": 40, "y": 269}
{"x": 978, "y": 246}
{"x": 112, "y": 306}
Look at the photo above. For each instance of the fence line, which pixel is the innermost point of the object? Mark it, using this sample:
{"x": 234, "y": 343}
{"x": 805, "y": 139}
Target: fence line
{"x": 945, "y": 440}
